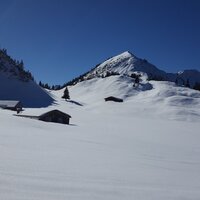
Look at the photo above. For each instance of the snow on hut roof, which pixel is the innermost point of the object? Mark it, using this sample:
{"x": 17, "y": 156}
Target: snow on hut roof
{"x": 8, "y": 103}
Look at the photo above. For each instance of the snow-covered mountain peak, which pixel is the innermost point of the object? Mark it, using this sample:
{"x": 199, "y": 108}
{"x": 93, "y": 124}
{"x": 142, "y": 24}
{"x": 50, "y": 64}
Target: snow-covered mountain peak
{"x": 124, "y": 63}
{"x": 125, "y": 54}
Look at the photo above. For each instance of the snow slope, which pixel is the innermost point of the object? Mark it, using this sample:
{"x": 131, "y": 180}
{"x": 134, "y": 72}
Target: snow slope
{"x": 127, "y": 63}
{"x": 160, "y": 99}
{"x": 29, "y": 93}
{"x": 144, "y": 148}
{"x": 18, "y": 84}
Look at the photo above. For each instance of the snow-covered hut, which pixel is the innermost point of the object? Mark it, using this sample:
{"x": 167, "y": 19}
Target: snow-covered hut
{"x": 11, "y": 105}
{"x": 55, "y": 116}
{"x": 111, "y": 98}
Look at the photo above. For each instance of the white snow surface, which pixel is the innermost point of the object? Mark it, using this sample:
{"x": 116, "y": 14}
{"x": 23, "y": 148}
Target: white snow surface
{"x": 29, "y": 93}
{"x": 145, "y": 148}
{"x": 127, "y": 63}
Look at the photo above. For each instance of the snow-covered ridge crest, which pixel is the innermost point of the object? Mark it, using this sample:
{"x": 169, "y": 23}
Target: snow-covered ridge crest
{"x": 125, "y": 63}
{"x": 13, "y": 68}
{"x": 18, "y": 84}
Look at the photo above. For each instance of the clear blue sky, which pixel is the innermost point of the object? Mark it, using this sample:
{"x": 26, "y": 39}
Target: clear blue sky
{"x": 60, "y": 39}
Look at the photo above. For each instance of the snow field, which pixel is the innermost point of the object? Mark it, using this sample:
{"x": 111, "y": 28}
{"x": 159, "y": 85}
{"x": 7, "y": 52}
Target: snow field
{"x": 144, "y": 148}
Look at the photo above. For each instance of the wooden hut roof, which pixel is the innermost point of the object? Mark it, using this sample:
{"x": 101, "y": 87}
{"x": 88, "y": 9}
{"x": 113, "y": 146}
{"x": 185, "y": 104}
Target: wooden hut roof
{"x": 55, "y": 111}
{"x": 112, "y": 98}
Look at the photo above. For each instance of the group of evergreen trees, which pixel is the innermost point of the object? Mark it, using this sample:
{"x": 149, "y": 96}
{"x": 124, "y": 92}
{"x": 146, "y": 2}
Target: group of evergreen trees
{"x": 181, "y": 81}
{"x": 56, "y": 87}
{"x": 18, "y": 66}
{"x": 136, "y": 78}
{"x": 197, "y": 86}
{"x": 47, "y": 86}
{"x": 110, "y": 73}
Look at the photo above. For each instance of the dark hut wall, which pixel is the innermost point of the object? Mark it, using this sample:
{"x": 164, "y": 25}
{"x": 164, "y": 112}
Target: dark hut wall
{"x": 55, "y": 117}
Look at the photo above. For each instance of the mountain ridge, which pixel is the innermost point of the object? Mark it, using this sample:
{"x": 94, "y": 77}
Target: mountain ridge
{"x": 13, "y": 68}
{"x": 127, "y": 63}
{"x": 18, "y": 84}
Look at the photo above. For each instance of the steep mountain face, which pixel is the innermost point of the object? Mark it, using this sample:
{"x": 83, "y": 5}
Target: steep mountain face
{"x": 13, "y": 68}
{"x": 18, "y": 84}
{"x": 127, "y": 63}
{"x": 123, "y": 64}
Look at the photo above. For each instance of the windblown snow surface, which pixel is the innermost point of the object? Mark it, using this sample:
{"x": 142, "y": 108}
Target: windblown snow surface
{"x": 145, "y": 148}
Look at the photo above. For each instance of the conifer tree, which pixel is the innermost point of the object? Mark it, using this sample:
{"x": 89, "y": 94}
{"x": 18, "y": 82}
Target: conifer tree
{"x": 197, "y": 86}
{"x": 40, "y": 84}
{"x": 66, "y": 94}
{"x": 176, "y": 81}
{"x": 187, "y": 83}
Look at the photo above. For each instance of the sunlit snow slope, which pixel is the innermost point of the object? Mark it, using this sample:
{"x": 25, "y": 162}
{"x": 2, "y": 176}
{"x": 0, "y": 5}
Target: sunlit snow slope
{"x": 145, "y": 148}
{"x": 127, "y": 63}
{"x": 155, "y": 98}
{"x": 110, "y": 150}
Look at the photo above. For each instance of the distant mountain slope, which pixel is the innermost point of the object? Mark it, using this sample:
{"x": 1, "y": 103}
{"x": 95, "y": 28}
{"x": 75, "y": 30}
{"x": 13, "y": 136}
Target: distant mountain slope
{"x": 116, "y": 77}
{"x": 159, "y": 99}
{"x": 18, "y": 84}
{"x": 190, "y": 76}
{"x": 127, "y": 63}
{"x": 96, "y": 89}
{"x": 13, "y": 68}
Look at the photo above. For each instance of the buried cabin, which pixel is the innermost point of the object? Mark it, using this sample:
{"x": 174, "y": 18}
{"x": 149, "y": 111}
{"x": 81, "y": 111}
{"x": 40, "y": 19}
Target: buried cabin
{"x": 11, "y": 105}
{"x": 55, "y": 116}
{"x": 115, "y": 99}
